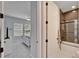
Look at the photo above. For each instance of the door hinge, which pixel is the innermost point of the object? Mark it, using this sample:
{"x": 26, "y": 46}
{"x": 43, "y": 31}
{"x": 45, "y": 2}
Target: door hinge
{"x": 46, "y": 22}
{"x": 1, "y": 50}
{"x": 1, "y": 15}
{"x": 46, "y": 40}
{"x": 46, "y": 3}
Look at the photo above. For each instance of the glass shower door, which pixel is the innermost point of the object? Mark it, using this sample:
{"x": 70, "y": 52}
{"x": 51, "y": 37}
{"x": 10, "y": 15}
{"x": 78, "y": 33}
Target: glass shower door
{"x": 70, "y": 31}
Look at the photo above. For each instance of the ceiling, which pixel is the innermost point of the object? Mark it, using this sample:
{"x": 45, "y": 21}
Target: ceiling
{"x": 66, "y": 5}
{"x": 21, "y": 9}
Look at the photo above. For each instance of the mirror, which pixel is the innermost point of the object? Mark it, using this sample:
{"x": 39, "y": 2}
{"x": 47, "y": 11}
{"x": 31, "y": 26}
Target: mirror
{"x": 17, "y": 17}
{"x": 69, "y": 21}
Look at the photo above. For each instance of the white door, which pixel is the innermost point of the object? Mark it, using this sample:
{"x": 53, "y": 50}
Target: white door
{"x": 53, "y": 18}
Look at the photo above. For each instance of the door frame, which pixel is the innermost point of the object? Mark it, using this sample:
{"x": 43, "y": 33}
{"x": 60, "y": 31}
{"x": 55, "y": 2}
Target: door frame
{"x": 37, "y": 29}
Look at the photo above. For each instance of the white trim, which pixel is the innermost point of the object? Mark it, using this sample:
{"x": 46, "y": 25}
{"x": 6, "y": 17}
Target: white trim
{"x": 39, "y": 29}
{"x": 34, "y": 30}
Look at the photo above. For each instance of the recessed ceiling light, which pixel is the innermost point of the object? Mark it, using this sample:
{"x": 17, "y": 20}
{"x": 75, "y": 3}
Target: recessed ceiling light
{"x": 73, "y": 7}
